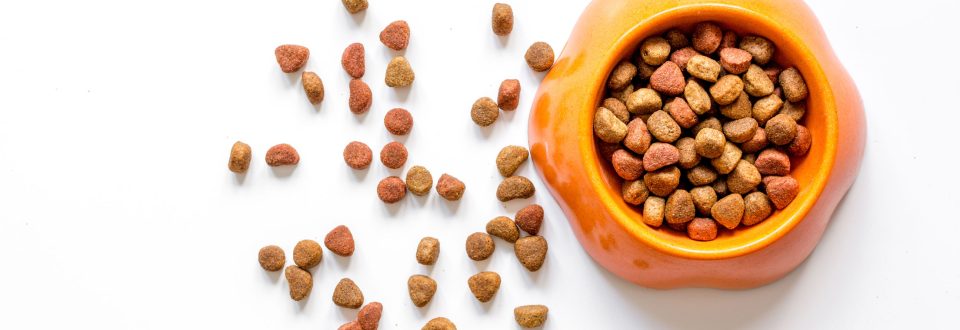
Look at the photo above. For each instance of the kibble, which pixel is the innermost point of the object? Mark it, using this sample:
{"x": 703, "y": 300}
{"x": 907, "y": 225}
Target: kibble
{"x": 399, "y": 73}
{"x": 353, "y": 60}
{"x": 740, "y": 130}
{"x": 801, "y": 143}
{"x": 428, "y": 250}
{"x": 710, "y": 143}
{"x": 634, "y": 192}
{"x": 735, "y": 60}
{"x": 531, "y": 251}
{"x": 281, "y": 155}
{"x": 484, "y": 111}
{"x": 300, "y": 282}
{"x": 340, "y": 241}
{"x": 508, "y": 97}
{"x": 450, "y": 188}
{"x": 756, "y": 143}
{"x": 622, "y": 75}
{"x": 307, "y": 254}
{"x": 391, "y": 190}
{"x": 503, "y": 228}
{"x": 681, "y": 113}
{"x": 707, "y": 37}
{"x": 676, "y": 39}
{"x": 781, "y": 129}
{"x": 702, "y": 229}
{"x": 794, "y": 87}
{"x": 360, "y": 97}
{"x": 795, "y": 110}
{"x": 757, "y": 207}
{"x": 627, "y": 165}
{"x": 781, "y": 190}
{"x": 419, "y": 181}
{"x": 312, "y": 86}
{"x": 658, "y": 156}
{"x": 728, "y": 159}
{"x": 703, "y": 199}
{"x": 355, "y": 6}
{"x": 653, "y": 211}
{"x": 728, "y": 211}
{"x": 347, "y": 294}
{"x": 729, "y": 40}
{"x": 291, "y": 57}
{"x": 756, "y": 82}
{"x": 530, "y": 218}
{"x": 638, "y": 138}
{"x": 743, "y": 178}
{"x": 773, "y": 162}
{"x": 739, "y": 108}
{"x": 687, "y": 147}
{"x": 421, "y": 289}
{"x": 668, "y": 79}
{"x": 510, "y": 158}
{"x": 369, "y": 316}
{"x": 654, "y": 51}
{"x": 240, "y": 156}
{"x": 703, "y": 68}
{"x": 539, "y": 56}
{"x": 663, "y": 127}
{"x": 679, "y": 207}
{"x": 502, "y": 20}
{"x": 271, "y": 258}
{"x": 396, "y": 35}
{"x": 662, "y": 182}
{"x": 479, "y": 246}
{"x": 697, "y": 97}
{"x": 727, "y": 89}
{"x": 530, "y": 316}
{"x": 701, "y": 175}
{"x": 644, "y": 101}
{"x": 357, "y": 155}
{"x": 760, "y": 48}
{"x": 767, "y": 107}
{"x": 515, "y": 187}
{"x": 352, "y": 325}
{"x": 398, "y": 121}
{"x": 484, "y": 285}
{"x": 393, "y": 155}
{"x": 618, "y": 108}
{"x": 439, "y": 323}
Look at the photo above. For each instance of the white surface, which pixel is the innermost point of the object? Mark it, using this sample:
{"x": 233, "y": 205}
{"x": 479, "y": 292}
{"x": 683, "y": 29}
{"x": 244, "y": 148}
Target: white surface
{"x": 117, "y": 210}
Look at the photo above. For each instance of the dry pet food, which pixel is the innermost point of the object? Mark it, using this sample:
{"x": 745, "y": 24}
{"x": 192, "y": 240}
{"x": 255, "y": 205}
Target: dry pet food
{"x": 340, "y": 241}
{"x": 347, "y": 294}
{"x": 530, "y": 218}
{"x": 508, "y": 98}
{"x": 396, "y": 35}
{"x": 352, "y": 325}
{"x": 360, "y": 96}
{"x": 271, "y": 258}
{"x": 515, "y": 187}
{"x": 428, "y": 250}
{"x": 421, "y": 289}
{"x": 530, "y": 316}
{"x": 291, "y": 57}
{"x": 479, "y": 246}
{"x": 357, "y": 155}
{"x": 484, "y": 285}
{"x": 313, "y": 86}
{"x": 539, "y": 56}
{"x": 355, "y": 6}
{"x": 354, "y": 60}
{"x": 504, "y": 228}
{"x": 419, "y": 180}
{"x": 300, "y": 282}
{"x": 484, "y": 111}
{"x": 393, "y": 155}
{"x": 369, "y": 316}
{"x": 502, "y": 20}
{"x": 531, "y": 251}
{"x": 398, "y": 121}
{"x": 391, "y": 189}
{"x": 307, "y": 253}
{"x": 240, "y": 156}
{"x": 399, "y": 73}
{"x": 282, "y": 154}
{"x": 450, "y": 188}
{"x": 510, "y": 158}
{"x": 439, "y": 323}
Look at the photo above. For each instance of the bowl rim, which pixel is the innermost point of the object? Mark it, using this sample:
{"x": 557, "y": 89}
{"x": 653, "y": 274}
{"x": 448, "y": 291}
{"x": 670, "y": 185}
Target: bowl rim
{"x": 813, "y": 75}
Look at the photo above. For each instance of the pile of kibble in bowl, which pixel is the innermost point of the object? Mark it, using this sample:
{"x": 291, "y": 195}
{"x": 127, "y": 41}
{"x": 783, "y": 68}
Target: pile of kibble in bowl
{"x": 702, "y": 127}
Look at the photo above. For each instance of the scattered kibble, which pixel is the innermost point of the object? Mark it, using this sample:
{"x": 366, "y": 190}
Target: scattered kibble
{"x": 340, "y": 241}
{"x": 307, "y": 254}
{"x": 515, "y": 187}
{"x": 396, "y": 35}
{"x": 347, "y": 294}
{"x": 419, "y": 181}
{"x": 530, "y": 316}
{"x": 393, "y": 155}
{"x": 510, "y": 158}
{"x": 484, "y": 111}
{"x": 282, "y": 154}
{"x": 508, "y": 97}
{"x": 300, "y": 282}
{"x": 428, "y": 250}
{"x": 504, "y": 228}
{"x": 357, "y": 155}
{"x": 439, "y": 323}
{"x": 391, "y": 189}
{"x": 531, "y": 251}
{"x": 479, "y": 246}
{"x": 240, "y": 156}
{"x": 353, "y": 60}
{"x": 291, "y": 57}
{"x": 271, "y": 258}
{"x": 361, "y": 98}
{"x": 312, "y": 86}
{"x": 399, "y": 73}
{"x": 369, "y": 316}
{"x": 484, "y": 285}
{"x": 530, "y": 218}
{"x": 421, "y": 289}
{"x": 450, "y": 188}
{"x": 355, "y": 6}
{"x": 539, "y": 56}
{"x": 502, "y": 20}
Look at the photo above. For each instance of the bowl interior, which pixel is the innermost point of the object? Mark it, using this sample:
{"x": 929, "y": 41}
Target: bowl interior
{"x": 811, "y": 170}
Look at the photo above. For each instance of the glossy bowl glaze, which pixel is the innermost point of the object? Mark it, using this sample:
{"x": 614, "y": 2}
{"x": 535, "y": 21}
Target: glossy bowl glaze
{"x": 564, "y": 152}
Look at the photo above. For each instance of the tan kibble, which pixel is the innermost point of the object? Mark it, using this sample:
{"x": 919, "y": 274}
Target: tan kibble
{"x": 741, "y": 108}
{"x": 728, "y": 211}
{"x": 794, "y": 87}
{"x": 680, "y": 111}
{"x": 756, "y": 83}
{"x": 271, "y": 258}
{"x": 710, "y": 122}
{"x": 428, "y": 250}
{"x": 676, "y": 38}
{"x": 644, "y": 70}
{"x": 710, "y": 143}
{"x": 623, "y": 93}
{"x": 479, "y": 246}
{"x": 439, "y": 323}
{"x": 697, "y": 97}
{"x": 795, "y": 110}
{"x": 421, "y": 289}
{"x": 703, "y": 199}
{"x": 531, "y": 251}
{"x": 663, "y": 127}
{"x": 638, "y": 139}
{"x": 744, "y": 178}
{"x": 307, "y": 253}
{"x": 727, "y": 89}
{"x": 312, "y": 86}
{"x": 781, "y": 129}
{"x": 634, "y": 192}
{"x": 240, "y": 156}
{"x": 679, "y": 208}
{"x": 484, "y": 285}
{"x": 653, "y": 209}
{"x": 662, "y": 182}
{"x": 765, "y": 108}
{"x": 704, "y": 68}
{"x": 399, "y": 73}
{"x": 618, "y": 108}
{"x": 701, "y": 175}
{"x": 608, "y": 127}
{"x": 688, "y": 157}
{"x": 756, "y": 143}
{"x": 757, "y": 207}
{"x": 530, "y": 316}
{"x": 515, "y": 187}
{"x": 750, "y": 158}
{"x": 682, "y": 56}
{"x": 502, "y": 19}
{"x": 485, "y": 111}
{"x": 622, "y": 75}
{"x": 347, "y": 294}
{"x": 419, "y": 181}
{"x": 720, "y": 186}
{"x": 355, "y": 6}
{"x": 702, "y": 229}
{"x": 300, "y": 282}
{"x": 504, "y": 228}
{"x": 740, "y": 130}
{"x": 761, "y": 48}
{"x": 654, "y": 51}
{"x": 510, "y": 158}
{"x": 539, "y": 56}
{"x": 728, "y": 159}
{"x": 644, "y": 101}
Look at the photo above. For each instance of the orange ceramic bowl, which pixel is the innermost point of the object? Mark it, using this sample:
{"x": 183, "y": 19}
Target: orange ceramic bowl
{"x": 562, "y": 144}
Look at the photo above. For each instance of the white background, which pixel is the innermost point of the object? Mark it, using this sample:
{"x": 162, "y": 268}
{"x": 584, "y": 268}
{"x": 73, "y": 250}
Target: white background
{"x": 117, "y": 210}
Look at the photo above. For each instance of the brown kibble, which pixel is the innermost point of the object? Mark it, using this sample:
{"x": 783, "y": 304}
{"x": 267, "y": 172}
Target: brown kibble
{"x": 781, "y": 190}
{"x": 727, "y": 89}
{"x": 653, "y": 209}
{"x": 510, "y": 158}
{"x": 504, "y": 228}
{"x": 398, "y": 121}
{"x": 704, "y": 68}
{"x": 741, "y": 108}
{"x": 439, "y": 323}
{"x": 393, "y": 155}
{"x": 662, "y": 182}
{"x": 703, "y": 199}
{"x": 707, "y": 37}
{"x": 680, "y": 111}
{"x": 663, "y": 127}
{"x": 352, "y": 325}
{"x": 781, "y": 129}
{"x": 307, "y": 254}
{"x": 710, "y": 143}
{"x": 607, "y": 127}
{"x": 396, "y": 35}
{"x": 450, "y": 188}
{"x": 679, "y": 208}
{"x": 795, "y": 110}
{"x": 271, "y": 258}
{"x": 355, "y": 6}
{"x": 428, "y": 250}
{"x": 531, "y": 251}
{"x": 682, "y": 56}
{"x": 357, "y": 155}
{"x": 676, "y": 39}
{"x": 530, "y": 218}
{"x": 757, "y": 207}
{"x": 761, "y": 48}
{"x": 291, "y": 57}
{"x": 515, "y": 187}
{"x": 539, "y": 56}
{"x": 421, "y": 289}
{"x": 744, "y": 178}
{"x": 622, "y": 75}
{"x": 484, "y": 285}
{"x": 391, "y": 190}
{"x": 794, "y": 87}
{"x": 668, "y": 79}
{"x": 340, "y": 241}
{"x": 369, "y": 316}
{"x": 710, "y": 122}
{"x": 701, "y": 175}
{"x": 658, "y": 156}
{"x": 720, "y": 186}
{"x": 729, "y": 40}
{"x": 687, "y": 147}
{"x": 765, "y": 108}
{"x": 353, "y": 60}
{"x": 773, "y": 162}
{"x": 618, "y": 108}
{"x": 644, "y": 101}
{"x": 530, "y": 316}
{"x": 644, "y": 71}
{"x": 638, "y": 138}
{"x": 634, "y": 192}
{"x": 654, "y": 51}
{"x": 312, "y": 86}
{"x": 347, "y": 294}
{"x": 419, "y": 181}
{"x": 360, "y": 96}
{"x": 740, "y": 130}
{"x": 508, "y": 97}
{"x": 702, "y": 229}
{"x": 484, "y": 111}
{"x": 696, "y": 97}
{"x": 728, "y": 211}
{"x": 756, "y": 143}
{"x": 502, "y": 20}
{"x": 399, "y": 73}
{"x": 801, "y": 143}
{"x": 627, "y": 165}
{"x": 300, "y": 282}
{"x": 728, "y": 159}
{"x": 756, "y": 83}
{"x": 282, "y": 154}
{"x": 240, "y": 156}
{"x": 479, "y": 246}
{"x": 735, "y": 60}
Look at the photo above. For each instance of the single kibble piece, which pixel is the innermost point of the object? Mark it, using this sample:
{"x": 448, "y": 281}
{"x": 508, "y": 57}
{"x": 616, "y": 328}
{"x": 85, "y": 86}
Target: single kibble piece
{"x": 353, "y": 60}
{"x": 618, "y": 108}
{"x": 282, "y": 154}
{"x": 727, "y": 89}
{"x": 300, "y": 282}
{"x": 711, "y": 122}
{"x": 627, "y": 165}
{"x": 530, "y": 316}
{"x": 668, "y": 79}
{"x": 756, "y": 143}
{"x": 484, "y": 111}
{"x": 679, "y": 208}
{"x": 744, "y": 178}
{"x": 703, "y": 199}
{"x": 757, "y": 207}
{"x": 697, "y": 97}
{"x": 484, "y": 285}
{"x": 740, "y": 108}
{"x": 728, "y": 211}
{"x": 352, "y": 325}
{"x": 654, "y": 51}
{"x": 399, "y": 73}
{"x": 307, "y": 253}
{"x": 773, "y": 72}
{"x": 539, "y": 56}
{"x": 773, "y": 162}
{"x": 502, "y": 20}
{"x": 710, "y": 143}
{"x": 701, "y": 175}
{"x": 510, "y": 158}
{"x": 357, "y": 155}
{"x": 271, "y": 258}
{"x": 531, "y": 251}
{"x": 479, "y": 246}
{"x": 530, "y": 218}
{"x": 312, "y": 86}
{"x": 761, "y": 48}
{"x": 391, "y": 189}
{"x": 681, "y": 113}
{"x": 419, "y": 181}
{"x": 369, "y": 316}
{"x": 720, "y": 186}
{"x": 682, "y": 56}
{"x": 428, "y": 250}
{"x": 767, "y": 107}
{"x": 240, "y": 156}
{"x": 662, "y": 182}
{"x": 355, "y": 6}
{"x": 508, "y": 97}
{"x": 756, "y": 83}
{"x": 729, "y": 40}
{"x": 702, "y": 229}
{"x": 740, "y": 130}
{"x": 398, "y": 121}
{"x": 396, "y": 35}
{"x": 347, "y": 294}
{"x": 644, "y": 101}
{"x": 676, "y": 39}
{"x": 687, "y": 148}
{"x": 663, "y": 127}
{"x": 638, "y": 139}
{"x": 421, "y": 289}
{"x": 653, "y": 209}
{"x": 439, "y": 323}
{"x": 634, "y": 192}
{"x": 781, "y": 129}
{"x": 659, "y": 155}
{"x": 644, "y": 71}
{"x": 504, "y": 228}
{"x": 735, "y": 60}
{"x": 801, "y": 144}
{"x": 795, "y": 110}
{"x": 360, "y": 96}
{"x": 707, "y": 37}
{"x": 704, "y": 68}
{"x": 340, "y": 241}
{"x": 728, "y": 159}
{"x": 515, "y": 187}
{"x": 781, "y": 190}
{"x": 450, "y": 188}
{"x": 291, "y": 57}
{"x": 794, "y": 88}
{"x": 393, "y": 155}
{"x": 622, "y": 75}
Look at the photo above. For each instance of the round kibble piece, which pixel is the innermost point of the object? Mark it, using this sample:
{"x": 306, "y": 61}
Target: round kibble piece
{"x": 654, "y": 51}
{"x": 668, "y": 79}
{"x": 607, "y": 127}
{"x": 428, "y": 250}
{"x": 676, "y": 39}
{"x": 729, "y": 40}
{"x": 618, "y": 108}
{"x": 756, "y": 82}
{"x": 353, "y": 60}
{"x": 781, "y": 190}
{"x": 484, "y": 111}
{"x": 393, "y": 155}
{"x": 271, "y": 258}
{"x": 681, "y": 113}
{"x": 711, "y": 122}
{"x": 728, "y": 211}
{"x": 781, "y": 129}
{"x": 710, "y": 143}
{"x": 530, "y": 218}
{"x": 697, "y": 97}
{"x": 240, "y": 156}
{"x": 662, "y": 182}
{"x": 502, "y": 20}
{"x": 439, "y": 323}
{"x": 355, "y": 6}
{"x": 396, "y": 35}
{"x": 773, "y": 162}
{"x": 531, "y": 251}
{"x": 508, "y": 97}
{"x": 703, "y": 199}
{"x": 421, "y": 289}
{"x": 369, "y": 316}
{"x": 479, "y": 246}
{"x": 627, "y": 165}
{"x": 794, "y": 88}
{"x": 801, "y": 144}
{"x": 707, "y": 37}
{"x": 539, "y": 56}
{"x": 727, "y": 89}
{"x": 450, "y": 188}
{"x": 312, "y": 86}
{"x": 765, "y": 108}
{"x": 347, "y": 294}
{"x": 704, "y": 68}
{"x": 760, "y": 48}
{"x": 510, "y": 158}
{"x": 419, "y": 181}
{"x": 300, "y": 282}
{"x": 644, "y": 71}
{"x": 638, "y": 139}
{"x": 658, "y": 156}
{"x": 484, "y": 285}
{"x": 701, "y": 175}
{"x": 738, "y": 109}
{"x": 399, "y": 73}
{"x": 291, "y": 57}
{"x": 360, "y": 96}
{"x": 530, "y": 316}
{"x": 702, "y": 229}
{"x": 679, "y": 207}
{"x": 622, "y": 75}
{"x": 795, "y": 110}
{"x": 515, "y": 187}
{"x": 398, "y": 121}
{"x": 756, "y": 143}
{"x": 634, "y": 192}
{"x": 644, "y": 101}
{"x": 735, "y": 60}
{"x": 757, "y": 207}
{"x": 663, "y": 127}
{"x": 282, "y": 154}
{"x": 728, "y": 159}
{"x": 744, "y": 178}
{"x": 340, "y": 241}
{"x": 740, "y": 130}
{"x": 307, "y": 253}
{"x": 653, "y": 209}
{"x": 504, "y": 228}
{"x": 682, "y": 56}
{"x": 357, "y": 155}
{"x": 391, "y": 190}
{"x": 687, "y": 148}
